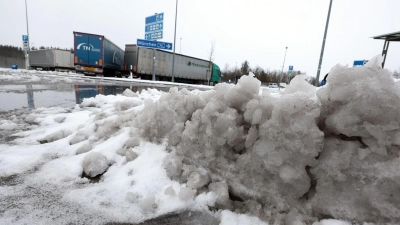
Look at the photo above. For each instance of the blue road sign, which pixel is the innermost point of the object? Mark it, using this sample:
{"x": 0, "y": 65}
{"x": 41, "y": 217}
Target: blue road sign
{"x": 25, "y": 38}
{"x": 154, "y": 27}
{"x": 154, "y": 44}
{"x": 154, "y": 35}
{"x": 290, "y": 67}
{"x": 155, "y": 18}
{"x": 360, "y": 62}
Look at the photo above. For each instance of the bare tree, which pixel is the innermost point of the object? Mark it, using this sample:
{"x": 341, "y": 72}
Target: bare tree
{"x": 211, "y": 52}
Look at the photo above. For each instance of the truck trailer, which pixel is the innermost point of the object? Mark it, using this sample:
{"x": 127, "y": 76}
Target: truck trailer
{"x": 96, "y": 55}
{"x": 139, "y": 61}
{"x": 52, "y": 60}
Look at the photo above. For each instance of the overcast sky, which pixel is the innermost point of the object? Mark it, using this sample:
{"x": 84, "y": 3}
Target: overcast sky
{"x": 253, "y": 30}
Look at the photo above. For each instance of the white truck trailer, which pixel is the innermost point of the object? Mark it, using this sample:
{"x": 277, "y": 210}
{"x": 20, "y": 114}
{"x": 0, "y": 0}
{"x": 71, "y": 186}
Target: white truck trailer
{"x": 52, "y": 60}
{"x": 139, "y": 61}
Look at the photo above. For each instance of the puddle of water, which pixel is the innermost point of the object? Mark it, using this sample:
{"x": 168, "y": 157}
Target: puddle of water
{"x": 65, "y": 96}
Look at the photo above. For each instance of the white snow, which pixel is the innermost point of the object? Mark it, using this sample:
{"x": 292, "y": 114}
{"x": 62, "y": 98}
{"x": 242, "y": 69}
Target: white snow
{"x": 94, "y": 164}
{"x": 240, "y": 153}
{"x": 8, "y": 125}
{"x": 230, "y": 218}
{"x": 331, "y": 222}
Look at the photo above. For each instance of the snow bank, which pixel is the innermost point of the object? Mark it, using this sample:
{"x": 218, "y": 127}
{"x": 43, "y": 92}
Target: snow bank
{"x": 304, "y": 146}
{"x": 299, "y": 157}
{"x": 357, "y": 172}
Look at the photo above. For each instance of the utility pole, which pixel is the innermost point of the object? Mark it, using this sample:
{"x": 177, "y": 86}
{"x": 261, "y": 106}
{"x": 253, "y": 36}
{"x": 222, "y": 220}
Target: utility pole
{"x": 154, "y": 65}
{"x": 284, "y": 58}
{"x": 27, "y": 33}
{"x": 323, "y": 45}
{"x": 173, "y": 58}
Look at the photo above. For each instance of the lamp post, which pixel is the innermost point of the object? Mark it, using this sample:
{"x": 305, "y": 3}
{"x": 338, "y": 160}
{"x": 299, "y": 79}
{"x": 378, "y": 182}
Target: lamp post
{"x": 283, "y": 66}
{"x": 180, "y": 48}
{"x": 27, "y": 33}
{"x": 173, "y": 58}
{"x": 323, "y": 45}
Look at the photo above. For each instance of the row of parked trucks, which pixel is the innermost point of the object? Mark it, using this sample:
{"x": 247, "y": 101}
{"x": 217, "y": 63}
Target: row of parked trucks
{"x": 97, "y": 55}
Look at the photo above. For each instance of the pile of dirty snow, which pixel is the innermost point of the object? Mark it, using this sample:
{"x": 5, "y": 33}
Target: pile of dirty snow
{"x": 236, "y": 154}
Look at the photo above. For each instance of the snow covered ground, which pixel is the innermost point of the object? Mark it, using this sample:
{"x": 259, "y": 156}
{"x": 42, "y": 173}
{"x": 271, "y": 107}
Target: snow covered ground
{"x": 234, "y": 154}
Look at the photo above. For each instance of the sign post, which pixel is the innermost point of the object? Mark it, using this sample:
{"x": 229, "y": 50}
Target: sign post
{"x": 154, "y": 44}
{"x": 290, "y": 73}
{"x": 154, "y": 30}
{"x": 25, "y": 46}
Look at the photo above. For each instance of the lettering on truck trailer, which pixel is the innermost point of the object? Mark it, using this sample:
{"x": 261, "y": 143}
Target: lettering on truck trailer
{"x": 196, "y": 64}
{"x": 87, "y": 47}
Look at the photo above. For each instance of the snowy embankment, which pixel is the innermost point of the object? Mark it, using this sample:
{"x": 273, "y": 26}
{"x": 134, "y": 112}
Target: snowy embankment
{"x": 308, "y": 156}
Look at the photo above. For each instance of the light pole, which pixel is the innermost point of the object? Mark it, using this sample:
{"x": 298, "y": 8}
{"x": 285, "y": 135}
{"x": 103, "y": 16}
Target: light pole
{"x": 279, "y": 84}
{"x": 153, "y": 78}
{"x": 173, "y": 58}
{"x": 323, "y": 45}
{"x": 27, "y": 33}
{"x": 180, "y": 48}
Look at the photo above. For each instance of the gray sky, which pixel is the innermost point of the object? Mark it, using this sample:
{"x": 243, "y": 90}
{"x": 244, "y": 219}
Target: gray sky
{"x": 253, "y": 30}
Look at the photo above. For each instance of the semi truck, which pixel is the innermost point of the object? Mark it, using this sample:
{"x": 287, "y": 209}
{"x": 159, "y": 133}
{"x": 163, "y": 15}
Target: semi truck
{"x": 96, "y": 55}
{"x": 139, "y": 61}
{"x": 52, "y": 60}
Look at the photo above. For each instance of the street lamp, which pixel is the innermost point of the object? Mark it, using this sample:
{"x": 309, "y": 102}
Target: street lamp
{"x": 173, "y": 58}
{"x": 279, "y": 84}
{"x": 323, "y": 45}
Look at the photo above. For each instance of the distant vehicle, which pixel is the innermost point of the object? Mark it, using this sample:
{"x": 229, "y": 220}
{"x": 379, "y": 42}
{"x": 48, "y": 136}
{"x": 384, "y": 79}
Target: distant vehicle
{"x": 96, "y": 55}
{"x": 187, "y": 69}
{"x": 52, "y": 60}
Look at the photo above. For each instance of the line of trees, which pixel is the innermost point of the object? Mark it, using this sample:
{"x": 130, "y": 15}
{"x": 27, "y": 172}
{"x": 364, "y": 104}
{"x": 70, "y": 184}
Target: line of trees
{"x": 18, "y": 52}
{"x": 265, "y": 76}
{"x": 11, "y": 51}
{"x": 43, "y": 47}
